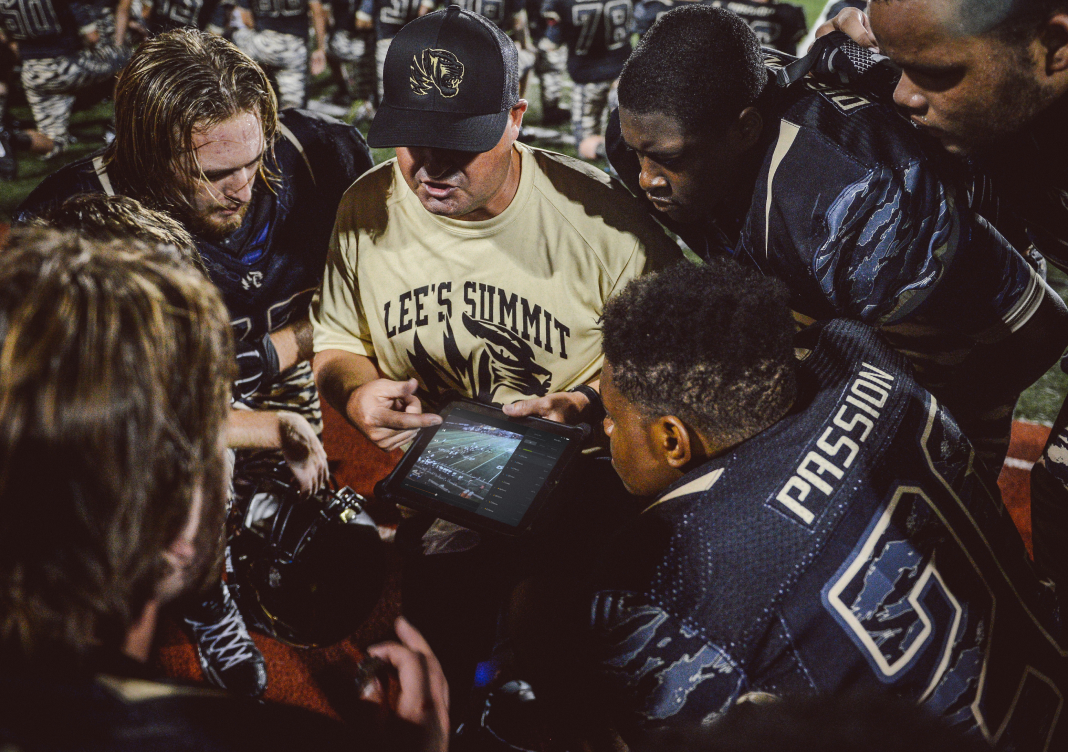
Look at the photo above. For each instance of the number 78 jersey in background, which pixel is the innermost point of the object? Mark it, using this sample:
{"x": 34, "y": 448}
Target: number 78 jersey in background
{"x": 597, "y": 35}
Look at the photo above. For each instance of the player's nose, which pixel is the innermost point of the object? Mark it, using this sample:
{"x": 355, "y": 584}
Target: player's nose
{"x": 240, "y": 187}
{"x": 649, "y": 177}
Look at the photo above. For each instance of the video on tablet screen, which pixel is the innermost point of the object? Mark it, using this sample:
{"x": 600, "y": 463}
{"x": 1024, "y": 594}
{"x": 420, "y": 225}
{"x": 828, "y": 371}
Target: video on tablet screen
{"x": 486, "y": 465}
{"x": 464, "y": 458}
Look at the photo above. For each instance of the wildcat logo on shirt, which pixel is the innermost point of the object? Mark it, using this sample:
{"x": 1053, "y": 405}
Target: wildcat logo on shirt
{"x": 505, "y": 327}
{"x": 436, "y": 69}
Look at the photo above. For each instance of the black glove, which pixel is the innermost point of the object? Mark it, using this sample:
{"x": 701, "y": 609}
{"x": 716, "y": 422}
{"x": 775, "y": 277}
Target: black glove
{"x": 838, "y": 60}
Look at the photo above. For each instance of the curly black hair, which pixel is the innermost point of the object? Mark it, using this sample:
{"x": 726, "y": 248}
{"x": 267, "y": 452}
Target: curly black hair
{"x": 709, "y": 343}
{"x": 699, "y": 64}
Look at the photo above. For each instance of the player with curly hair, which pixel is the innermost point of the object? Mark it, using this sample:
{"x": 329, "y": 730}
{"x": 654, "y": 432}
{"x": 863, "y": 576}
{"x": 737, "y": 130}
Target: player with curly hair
{"x": 814, "y": 524}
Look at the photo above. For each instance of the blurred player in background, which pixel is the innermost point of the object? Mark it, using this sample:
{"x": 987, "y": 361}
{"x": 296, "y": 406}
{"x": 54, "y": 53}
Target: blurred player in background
{"x": 209, "y": 15}
{"x": 351, "y": 56}
{"x": 389, "y": 17}
{"x": 549, "y": 66}
{"x": 778, "y": 25}
{"x": 66, "y": 48}
{"x": 275, "y": 35}
{"x": 597, "y": 36}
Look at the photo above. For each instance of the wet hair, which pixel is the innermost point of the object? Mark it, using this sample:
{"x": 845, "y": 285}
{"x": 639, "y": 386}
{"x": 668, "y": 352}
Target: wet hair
{"x": 711, "y": 344}
{"x": 115, "y": 366}
{"x": 698, "y": 64}
{"x": 176, "y": 84}
{"x": 97, "y": 216}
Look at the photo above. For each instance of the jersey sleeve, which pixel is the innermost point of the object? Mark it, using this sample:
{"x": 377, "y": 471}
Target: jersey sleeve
{"x": 895, "y": 245}
{"x": 654, "y": 669}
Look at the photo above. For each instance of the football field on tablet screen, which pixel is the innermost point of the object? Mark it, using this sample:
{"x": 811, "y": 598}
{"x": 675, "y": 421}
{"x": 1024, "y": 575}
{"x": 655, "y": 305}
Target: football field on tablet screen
{"x": 464, "y": 463}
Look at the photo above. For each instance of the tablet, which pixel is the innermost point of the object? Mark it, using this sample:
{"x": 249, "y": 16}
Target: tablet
{"x": 482, "y": 469}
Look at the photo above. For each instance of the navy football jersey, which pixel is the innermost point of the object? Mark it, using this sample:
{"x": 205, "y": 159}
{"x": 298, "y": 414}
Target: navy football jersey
{"x": 647, "y": 11}
{"x": 172, "y": 14}
{"x": 778, "y": 25}
{"x": 390, "y": 16}
{"x": 597, "y": 35}
{"x": 270, "y": 267}
{"x": 865, "y": 218}
{"x": 46, "y": 28}
{"x": 852, "y": 546}
{"x": 501, "y": 12}
{"x": 282, "y": 16}
{"x": 344, "y": 12}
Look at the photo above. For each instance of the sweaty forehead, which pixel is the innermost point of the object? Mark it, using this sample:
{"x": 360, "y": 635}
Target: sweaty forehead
{"x": 230, "y": 144}
{"x": 947, "y": 18}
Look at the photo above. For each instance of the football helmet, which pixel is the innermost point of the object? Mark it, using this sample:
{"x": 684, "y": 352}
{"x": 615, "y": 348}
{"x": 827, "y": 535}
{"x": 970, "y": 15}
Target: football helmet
{"x": 305, "y": 570}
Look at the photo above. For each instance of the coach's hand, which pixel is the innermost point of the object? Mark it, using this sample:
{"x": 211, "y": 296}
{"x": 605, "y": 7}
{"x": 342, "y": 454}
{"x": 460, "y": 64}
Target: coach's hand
{"x": 854, "y": 24}
{"x": 388, "y": 412}
{"x": 562, "y": 407}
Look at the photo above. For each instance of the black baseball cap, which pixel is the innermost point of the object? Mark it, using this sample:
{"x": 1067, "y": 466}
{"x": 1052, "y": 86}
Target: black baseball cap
{"x": 450, "y": 79}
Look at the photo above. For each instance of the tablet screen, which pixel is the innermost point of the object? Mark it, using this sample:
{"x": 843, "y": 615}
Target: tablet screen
{"x": 492, "y": 467}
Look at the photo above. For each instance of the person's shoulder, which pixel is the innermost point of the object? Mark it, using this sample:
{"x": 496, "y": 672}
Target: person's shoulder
{"x": 77, "y": 177}
{"x": 331, "y": 147}
{"x": 860, "y": 128}
{"x": 587, "y": 196}
{"x": 367, "y": 202}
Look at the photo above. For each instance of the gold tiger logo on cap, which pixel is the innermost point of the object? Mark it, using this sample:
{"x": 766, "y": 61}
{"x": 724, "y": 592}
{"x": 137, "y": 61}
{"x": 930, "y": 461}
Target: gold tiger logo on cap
{"x": 438, "y": 69}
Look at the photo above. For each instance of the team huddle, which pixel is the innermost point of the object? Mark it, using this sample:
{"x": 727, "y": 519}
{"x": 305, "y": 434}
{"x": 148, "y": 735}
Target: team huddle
{"x": 797, "y": 317}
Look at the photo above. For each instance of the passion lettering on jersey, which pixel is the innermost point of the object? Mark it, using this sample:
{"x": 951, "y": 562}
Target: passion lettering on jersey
{"x": 808, "y": 491}
{"x": 435, "y": 303}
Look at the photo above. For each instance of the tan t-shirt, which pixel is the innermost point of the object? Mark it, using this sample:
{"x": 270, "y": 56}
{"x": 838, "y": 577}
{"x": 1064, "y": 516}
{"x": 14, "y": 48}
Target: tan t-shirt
{"x": 499, "y": 310}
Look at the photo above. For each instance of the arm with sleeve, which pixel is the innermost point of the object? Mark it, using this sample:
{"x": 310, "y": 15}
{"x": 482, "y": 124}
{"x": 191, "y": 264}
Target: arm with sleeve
{"x": 898, "y": 249}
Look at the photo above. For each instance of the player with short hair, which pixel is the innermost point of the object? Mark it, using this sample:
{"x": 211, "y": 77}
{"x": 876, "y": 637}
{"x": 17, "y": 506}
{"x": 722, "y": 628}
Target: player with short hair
{"x": 198, "y": 136}
{"x": 836, "y": 195}
{"x": 815, "y": 525}
{"x": 989, "y": 79}
{"x": 113, "y": 493}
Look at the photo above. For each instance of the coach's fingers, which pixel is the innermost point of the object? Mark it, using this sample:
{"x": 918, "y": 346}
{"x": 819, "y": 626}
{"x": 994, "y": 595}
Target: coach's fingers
{"x": 401, "y": 421}
{"x": 523, "y": 408}
{"x": 396, "y": 440}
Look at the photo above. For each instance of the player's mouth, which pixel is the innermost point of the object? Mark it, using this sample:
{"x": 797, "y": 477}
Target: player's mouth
{"x": 438, "y": 190}
{"x": 661, "y": 204}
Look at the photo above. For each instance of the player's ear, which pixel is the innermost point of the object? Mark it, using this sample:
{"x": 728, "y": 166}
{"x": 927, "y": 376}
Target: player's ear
{"x": 748, "y": 128}
{"x": 673, "y": 440}
{"x": 1054, "y": 38}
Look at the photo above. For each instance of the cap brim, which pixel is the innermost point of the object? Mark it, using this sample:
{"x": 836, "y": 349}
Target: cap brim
{"x": 393, "y": 126}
